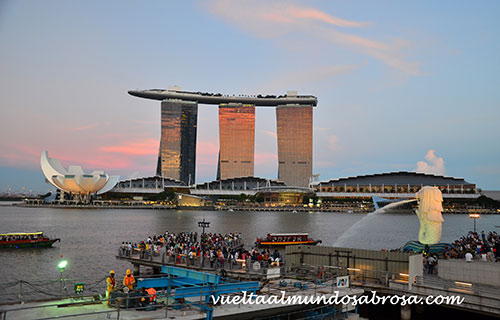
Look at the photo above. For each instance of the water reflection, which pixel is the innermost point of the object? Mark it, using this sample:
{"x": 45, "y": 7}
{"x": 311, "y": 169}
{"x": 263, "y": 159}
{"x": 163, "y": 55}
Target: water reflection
{"x": 90, "y": 237}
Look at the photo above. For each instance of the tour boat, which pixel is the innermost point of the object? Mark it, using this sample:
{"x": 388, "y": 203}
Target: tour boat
{"x": 25, "y": 240}
{"x": 286, "y": 239}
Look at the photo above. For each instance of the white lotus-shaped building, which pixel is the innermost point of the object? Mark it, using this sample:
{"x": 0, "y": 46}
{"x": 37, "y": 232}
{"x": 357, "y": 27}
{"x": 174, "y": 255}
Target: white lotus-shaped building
{"x": 74, "y": 180}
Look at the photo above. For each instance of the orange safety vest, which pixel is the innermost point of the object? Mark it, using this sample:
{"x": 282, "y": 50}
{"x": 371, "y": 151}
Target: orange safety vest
{"x": 152, "y": 294}
{"x": 129, "y": 281}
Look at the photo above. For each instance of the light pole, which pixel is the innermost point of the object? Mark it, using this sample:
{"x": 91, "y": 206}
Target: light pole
{"x": 203, "y": 224}
{"x": 474, "y": 216}
{"x": 62, "y": 265}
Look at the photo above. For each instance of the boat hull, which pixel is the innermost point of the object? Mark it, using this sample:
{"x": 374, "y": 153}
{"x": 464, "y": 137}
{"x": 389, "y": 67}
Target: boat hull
{"x": 27, "y": 244}
{"x": 286, "y": 243}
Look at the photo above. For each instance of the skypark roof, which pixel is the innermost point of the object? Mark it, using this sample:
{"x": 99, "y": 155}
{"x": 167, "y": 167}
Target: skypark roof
{"x": 291, "y": 98}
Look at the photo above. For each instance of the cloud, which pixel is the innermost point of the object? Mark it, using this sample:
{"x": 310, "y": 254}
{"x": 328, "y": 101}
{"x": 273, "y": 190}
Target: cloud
{"x": 432, "y": 164}
{"x": 292, "y": 13}
{"x": 265, "y": 158}
{"x": 333, "y": 143}
{"x": 272, "y": 19}
{"x": 271, "y": 133}
{"x": 86, "y": 127}
{"x": 207, "y": 153}
{"x": 134, "y": 148}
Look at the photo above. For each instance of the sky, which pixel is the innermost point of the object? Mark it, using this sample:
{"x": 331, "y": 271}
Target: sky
{"x": 401, "y": 86}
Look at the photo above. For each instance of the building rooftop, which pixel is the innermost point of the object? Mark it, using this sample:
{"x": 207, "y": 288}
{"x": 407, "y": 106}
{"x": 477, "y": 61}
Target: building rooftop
{"x": 399, "y": 177}
{"x": 291, "y": 98}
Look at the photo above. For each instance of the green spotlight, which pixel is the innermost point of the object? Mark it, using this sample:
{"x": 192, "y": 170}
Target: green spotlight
{"x": 62, "y": 264}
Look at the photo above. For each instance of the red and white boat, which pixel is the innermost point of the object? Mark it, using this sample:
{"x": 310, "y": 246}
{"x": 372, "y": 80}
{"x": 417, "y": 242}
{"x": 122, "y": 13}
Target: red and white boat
{"x": 286, "y": 239}
{"x": 25, "y": 240}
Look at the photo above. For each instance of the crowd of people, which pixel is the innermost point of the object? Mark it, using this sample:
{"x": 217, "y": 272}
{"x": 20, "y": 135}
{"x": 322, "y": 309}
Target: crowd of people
{"x": 473, "y": 246}
{"x": 484, "y": 247}
{"x": 209, "y": 249}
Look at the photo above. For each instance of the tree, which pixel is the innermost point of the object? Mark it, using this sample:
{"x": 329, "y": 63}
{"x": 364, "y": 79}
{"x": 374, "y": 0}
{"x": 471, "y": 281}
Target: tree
{"x": 46, "y": 195}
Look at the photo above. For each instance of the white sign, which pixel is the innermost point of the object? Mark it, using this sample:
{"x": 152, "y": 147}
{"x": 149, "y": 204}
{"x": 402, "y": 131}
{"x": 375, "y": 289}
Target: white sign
{"x": 343, "y": 282}
{"x": 256, "y": 266}
{"x": 273, "y": 273}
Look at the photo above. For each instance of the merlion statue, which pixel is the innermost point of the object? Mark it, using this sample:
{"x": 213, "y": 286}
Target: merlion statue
{"x": 429, "y": 213}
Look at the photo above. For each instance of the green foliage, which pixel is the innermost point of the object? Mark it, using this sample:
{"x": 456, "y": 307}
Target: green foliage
{"x": 166, "y": 195}
{"x": 488, "y": 202}
{"x": 43, "y": 196}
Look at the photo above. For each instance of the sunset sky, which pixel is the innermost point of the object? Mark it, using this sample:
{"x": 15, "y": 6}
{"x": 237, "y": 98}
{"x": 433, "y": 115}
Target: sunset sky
{"x": 400, "y": 85}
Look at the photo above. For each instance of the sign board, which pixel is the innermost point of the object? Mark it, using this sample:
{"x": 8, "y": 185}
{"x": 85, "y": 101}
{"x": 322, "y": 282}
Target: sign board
{"x": 273, "y": 273}
{"x": 79, "y": 287}
{"x": 256, "y": 266}
{"x": 343, "y": 282}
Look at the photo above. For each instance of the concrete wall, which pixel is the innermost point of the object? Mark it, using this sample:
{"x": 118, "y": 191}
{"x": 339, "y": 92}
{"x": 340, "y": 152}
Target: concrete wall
{"x": 374, "y": 260}
{"x": 472, "y": 272}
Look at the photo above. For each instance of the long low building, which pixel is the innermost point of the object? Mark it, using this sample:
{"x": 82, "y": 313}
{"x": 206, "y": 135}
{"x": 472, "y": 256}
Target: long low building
{"x": 235, "y": 186}
{"x": 401, "y": 184}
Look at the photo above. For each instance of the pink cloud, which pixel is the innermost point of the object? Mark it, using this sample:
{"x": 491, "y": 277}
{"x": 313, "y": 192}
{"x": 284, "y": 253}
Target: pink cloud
{"x": 86, "y": 127}
{"x": 135, "y": 148}
{"x": 271, "y": 134}
{"x": 265, "y": 158}
{"x": 293, "y": 13}
{"x": 25, "y": 157}
{"x": 310, "y": 13}
{"x": 432, "y": 164}
{"x": 272, "y": 19}
{"x": 276, "y": 17}
{"x": 333, "y": 143}
{"x": 206, "y": 153}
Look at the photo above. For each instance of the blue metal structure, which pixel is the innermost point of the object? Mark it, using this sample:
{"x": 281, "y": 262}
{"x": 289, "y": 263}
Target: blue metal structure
{"x": 185, "y": 283}
{"x": 377, "y": 200}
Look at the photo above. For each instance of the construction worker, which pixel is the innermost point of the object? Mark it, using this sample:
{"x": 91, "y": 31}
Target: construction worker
{"x": 152, "y": 294}
{"x": 129, "y": 280}
{"x": 111, "y": 282}
{"x": 143, "y": 298}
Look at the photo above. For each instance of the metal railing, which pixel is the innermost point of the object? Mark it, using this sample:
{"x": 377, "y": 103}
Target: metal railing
{"x": 118, "y": 305}
{"x": 459, "y": 286}
{"x": 23, "y": 290}
{"x": 200, "y": 262}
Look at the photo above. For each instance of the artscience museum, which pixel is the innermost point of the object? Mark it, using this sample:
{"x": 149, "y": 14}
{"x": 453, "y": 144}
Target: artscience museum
{"x": 73, "y": 180}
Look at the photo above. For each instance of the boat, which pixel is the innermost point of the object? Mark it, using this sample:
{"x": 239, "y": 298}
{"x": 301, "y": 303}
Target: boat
{"x": 25, "y": 240}
{"x": 286, "y": 239}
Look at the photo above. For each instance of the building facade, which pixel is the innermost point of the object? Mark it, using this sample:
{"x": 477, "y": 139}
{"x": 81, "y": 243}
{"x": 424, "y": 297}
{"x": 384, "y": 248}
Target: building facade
{"x": 237, "y": 141}
{"x": 295, "y": 144}
{"x": 177, "y": 155}
{"x": 402, "y": 182}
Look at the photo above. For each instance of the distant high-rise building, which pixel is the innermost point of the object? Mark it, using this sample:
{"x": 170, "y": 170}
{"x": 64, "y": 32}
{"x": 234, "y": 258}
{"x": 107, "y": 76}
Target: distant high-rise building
{"x": 177, "y": 155}
{"x": 237, "y": 141}
{"x": 295, "y": 144}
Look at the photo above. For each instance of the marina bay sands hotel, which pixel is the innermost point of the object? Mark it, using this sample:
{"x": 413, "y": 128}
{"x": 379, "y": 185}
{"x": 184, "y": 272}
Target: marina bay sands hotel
{"x": 179, "y": 115}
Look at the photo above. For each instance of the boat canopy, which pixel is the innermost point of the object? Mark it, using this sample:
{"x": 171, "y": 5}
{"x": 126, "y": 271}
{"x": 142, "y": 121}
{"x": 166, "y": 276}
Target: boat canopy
{"x": 288, "y": 234}
{"x": 22, "y": 234}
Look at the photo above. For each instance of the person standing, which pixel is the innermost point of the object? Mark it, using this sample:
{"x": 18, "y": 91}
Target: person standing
{"x": 432, "y": 261}
{"x": 129, "y": 280}
{"x": 468, "y": 257}
{"x": 111, "y": 282}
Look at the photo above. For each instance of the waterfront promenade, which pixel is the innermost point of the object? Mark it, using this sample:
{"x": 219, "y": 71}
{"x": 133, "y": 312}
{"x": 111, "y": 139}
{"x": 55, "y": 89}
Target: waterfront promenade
{"x": 338, "y": 208}
{"x": 302, "y": 273}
